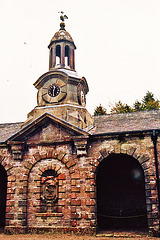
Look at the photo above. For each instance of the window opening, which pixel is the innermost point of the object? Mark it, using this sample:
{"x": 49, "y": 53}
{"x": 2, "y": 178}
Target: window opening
{"x": 51, "y": 57}
{"x": 66, "y": 55}
{"x": 58, "y": 55}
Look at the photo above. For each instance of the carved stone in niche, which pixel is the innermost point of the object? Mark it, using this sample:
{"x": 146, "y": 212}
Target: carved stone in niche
{"x": 49, "y": 191}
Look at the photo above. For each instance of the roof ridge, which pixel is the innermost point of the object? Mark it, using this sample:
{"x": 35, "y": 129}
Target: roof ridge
{"x": 129, "y": 113}
{"x": 11, "y": 123}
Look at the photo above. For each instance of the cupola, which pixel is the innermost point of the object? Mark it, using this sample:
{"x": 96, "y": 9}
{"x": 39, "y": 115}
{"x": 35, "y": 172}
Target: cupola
{"x": 61, "y": 91}
{"x": 62, "y": 49}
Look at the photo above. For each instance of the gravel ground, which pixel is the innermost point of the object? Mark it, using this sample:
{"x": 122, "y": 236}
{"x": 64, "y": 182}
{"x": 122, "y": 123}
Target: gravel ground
{"x": 117, "y": 236}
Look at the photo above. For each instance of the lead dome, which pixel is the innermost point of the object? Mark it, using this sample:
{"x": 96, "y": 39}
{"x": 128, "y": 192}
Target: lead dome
{"x": 61, "y": 35}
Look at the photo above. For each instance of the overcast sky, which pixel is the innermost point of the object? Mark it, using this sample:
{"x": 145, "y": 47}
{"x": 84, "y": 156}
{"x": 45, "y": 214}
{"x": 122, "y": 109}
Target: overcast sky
{"x": 118, "y": 50}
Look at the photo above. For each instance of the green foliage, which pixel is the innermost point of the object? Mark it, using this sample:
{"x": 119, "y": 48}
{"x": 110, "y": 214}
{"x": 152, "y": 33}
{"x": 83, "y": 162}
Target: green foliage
{"x": 121, "y": 108}
{"x": 100, "y": 111}
{"x": 148, "y": 102}
{"x": 138, "y": 106}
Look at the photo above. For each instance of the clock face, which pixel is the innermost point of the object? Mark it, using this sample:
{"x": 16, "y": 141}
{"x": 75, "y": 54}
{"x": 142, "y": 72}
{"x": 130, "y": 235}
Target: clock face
{"x": 54, "y": 90}
{"x": 81, "y": 95}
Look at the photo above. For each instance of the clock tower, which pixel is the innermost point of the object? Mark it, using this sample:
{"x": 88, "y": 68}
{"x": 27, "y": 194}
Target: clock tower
{"x": 61, "y": 91}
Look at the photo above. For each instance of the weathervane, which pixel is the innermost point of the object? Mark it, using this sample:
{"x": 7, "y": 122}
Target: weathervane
{"x": 62, "y": 18}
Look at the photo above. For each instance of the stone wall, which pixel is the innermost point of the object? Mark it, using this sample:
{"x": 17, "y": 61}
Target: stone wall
{"x": 71, "y": 200}
{"x": 142, "y": 150}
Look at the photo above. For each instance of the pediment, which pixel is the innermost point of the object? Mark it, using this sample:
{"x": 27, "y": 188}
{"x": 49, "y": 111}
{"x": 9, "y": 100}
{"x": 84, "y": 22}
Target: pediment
{"x": 47, "y": 128}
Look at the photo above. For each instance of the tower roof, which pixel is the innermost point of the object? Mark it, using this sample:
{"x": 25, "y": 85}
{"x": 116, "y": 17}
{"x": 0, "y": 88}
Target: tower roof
{"x": 61, "y": 35}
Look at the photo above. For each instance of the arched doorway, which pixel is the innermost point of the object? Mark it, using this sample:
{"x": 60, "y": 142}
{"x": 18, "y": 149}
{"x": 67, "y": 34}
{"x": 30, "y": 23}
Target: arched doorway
{"x": 121, "y": 202}
{"x": 3, "y": 193}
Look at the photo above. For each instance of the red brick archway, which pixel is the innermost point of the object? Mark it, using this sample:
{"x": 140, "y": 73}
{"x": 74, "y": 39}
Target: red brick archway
{"x": 149, "y": 176}
{"x": 121, "y": 201}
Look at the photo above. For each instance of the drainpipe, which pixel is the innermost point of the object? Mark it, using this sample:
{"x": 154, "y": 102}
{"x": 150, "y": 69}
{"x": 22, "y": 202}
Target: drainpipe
{"x": 154, "y": 139}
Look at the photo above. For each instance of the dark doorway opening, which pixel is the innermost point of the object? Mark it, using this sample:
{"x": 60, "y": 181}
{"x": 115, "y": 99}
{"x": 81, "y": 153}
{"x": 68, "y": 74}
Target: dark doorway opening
{"x": 3, "y": 193}
{"x": 121, "y": 202}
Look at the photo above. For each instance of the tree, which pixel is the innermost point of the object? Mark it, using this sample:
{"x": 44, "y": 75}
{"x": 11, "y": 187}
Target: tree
{"x": 148, "y": 102}
{"x": 138, "y": 106}
{"x": 100, "y": 111}
{"x": 121, "y": 108}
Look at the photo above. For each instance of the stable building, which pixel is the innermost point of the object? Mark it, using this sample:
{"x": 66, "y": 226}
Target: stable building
{"x": 65, "y": 170}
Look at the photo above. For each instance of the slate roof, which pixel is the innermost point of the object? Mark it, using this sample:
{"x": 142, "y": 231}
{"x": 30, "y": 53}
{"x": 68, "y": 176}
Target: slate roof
{"x": 8, "y": 129}
{"x": 124, "y": 122}
{"x": 110, "y": 123}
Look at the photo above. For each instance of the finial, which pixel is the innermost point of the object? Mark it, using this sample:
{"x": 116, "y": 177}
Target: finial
{"x": 62, "y": 18}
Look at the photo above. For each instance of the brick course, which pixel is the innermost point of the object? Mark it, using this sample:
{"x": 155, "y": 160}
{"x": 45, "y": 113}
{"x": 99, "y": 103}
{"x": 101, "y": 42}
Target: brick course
{"x": 76, "y": 174}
